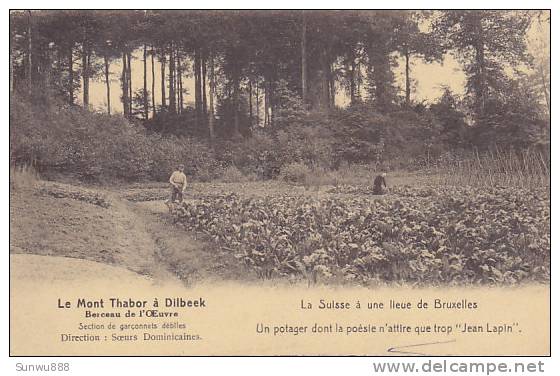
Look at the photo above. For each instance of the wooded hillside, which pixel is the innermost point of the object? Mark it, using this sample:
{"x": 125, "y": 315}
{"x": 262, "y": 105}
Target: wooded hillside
{"x": 278, "y": 76}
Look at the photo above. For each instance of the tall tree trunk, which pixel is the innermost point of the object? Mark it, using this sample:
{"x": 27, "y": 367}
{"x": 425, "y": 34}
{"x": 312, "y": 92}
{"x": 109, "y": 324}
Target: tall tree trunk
{"x": 129, "y": 81}
{"x": 179, "y": 80}
{"x": 163, "y": 101}
{"x": 257, "y": 102}
{"x": 481, "y": 80}
{"x": 480, "y": 88}
{"x": 546, "y": 89}
{"x": 197, "y": 93}
{"x": 236, "y": 131}
{"x": 11, "y": 62}
{"x": 48, "y": 74}
{"x": 85, "y": 74}
{"x": 71, "y": 75}
{"x": 329, "y": 80}
{"x": 353, "y": 78}
{"x": 180, "y": 98}
{"x": 86, "y": 51}
{"x": 153, "y": 83}
{"x": 332, "y": 88}
{"x": 269, "y": 103}
{"x": 203, "y": 83}
{"x": 304, "y": 60}
{"x": 172, "y": 98}
{"x": 236, "y": 83}
{"x": 380, "y": 77}
{"x": 266, "y": 100}
{"x": 319, "y": 83}
{"x": 358, "y": 78}
{"x": 145, "y": 92}
{"x": 29, "y": 55}
{"x": 250, "y": 103}
{"x": 211, "y": 99}
{"x": 407, "y": 75}
{"x": 178, "y": 74}
{"x": 124, "y": 85}
{"x": 323, "y": 84}
{"x": 107, "y": 83}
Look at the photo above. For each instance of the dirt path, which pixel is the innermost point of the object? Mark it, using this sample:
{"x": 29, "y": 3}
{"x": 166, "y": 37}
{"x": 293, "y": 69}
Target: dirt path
{"x": 94, "y": 226}
{"x": 190, "y": 259}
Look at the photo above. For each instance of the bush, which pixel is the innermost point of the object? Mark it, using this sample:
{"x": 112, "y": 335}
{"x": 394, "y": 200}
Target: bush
{"x": 257, "y": 155}
{"x": 232, "y": 175}
{"x": 310, "y": 143}
{"x": 358, "y": 134}
{"x": 97, "y": 147}
{"x": 296, "y": 172}
{"x": 353, "y": 174}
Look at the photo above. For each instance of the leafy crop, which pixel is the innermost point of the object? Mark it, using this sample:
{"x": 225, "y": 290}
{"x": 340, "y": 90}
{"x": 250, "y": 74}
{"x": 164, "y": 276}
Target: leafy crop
{"x": 442, "y": 235}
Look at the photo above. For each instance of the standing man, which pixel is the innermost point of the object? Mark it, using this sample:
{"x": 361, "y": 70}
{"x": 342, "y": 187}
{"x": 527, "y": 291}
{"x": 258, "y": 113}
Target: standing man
{"x": 379, "y": 183}
{"x": 178, "y": 182}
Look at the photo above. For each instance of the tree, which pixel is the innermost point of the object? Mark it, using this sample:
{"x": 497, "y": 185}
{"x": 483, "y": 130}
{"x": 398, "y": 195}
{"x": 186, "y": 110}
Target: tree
{"x": 153, "y": 95}
{"x": 241, "y": 60}
{"x": 162, "y": 61}
{"x": 351, "y": 47}
{"x": 145, "y": 89}
{"x": 485, "y": 42}
{"x": 321, "y": 54}
{"x": 89, "y": 29}
{"x": 107, "y": 45}
{"x": 53, "y": 47}
{"x": 211, "y": 118}
{"x": 124, "y": 85}
{"x": 172, "y": 96}
{"x": 29, "y": 53}
{"x": 453, "y": 123}
{"x": 539, "y": 79}
{"x": 304, "y": 59}
{"x": 513, "y": 118}
{"x": 410, "y": 42}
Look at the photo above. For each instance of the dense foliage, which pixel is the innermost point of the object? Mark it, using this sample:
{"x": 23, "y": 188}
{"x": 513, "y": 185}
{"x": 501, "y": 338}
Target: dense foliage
{"x": 267, "y": 90}
{"x": 97, "y": 147}
{"x": 248, "y": 66}
{"x": 415, "y": 235}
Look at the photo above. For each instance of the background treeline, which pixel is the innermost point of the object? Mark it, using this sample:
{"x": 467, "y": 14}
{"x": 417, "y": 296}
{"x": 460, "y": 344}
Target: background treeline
{"x": 267, "y": 89}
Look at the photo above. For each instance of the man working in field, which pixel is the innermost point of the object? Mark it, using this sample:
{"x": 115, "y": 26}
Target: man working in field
{"x": 379, "y": 183}
{"x": 178, "y": 182}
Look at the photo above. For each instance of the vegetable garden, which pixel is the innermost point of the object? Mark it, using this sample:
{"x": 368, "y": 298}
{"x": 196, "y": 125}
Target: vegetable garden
{"x": 417, "y": 236}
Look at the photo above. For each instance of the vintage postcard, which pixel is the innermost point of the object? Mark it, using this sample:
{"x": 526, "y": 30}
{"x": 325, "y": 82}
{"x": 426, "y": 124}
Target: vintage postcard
{"x": 269, "y": 183}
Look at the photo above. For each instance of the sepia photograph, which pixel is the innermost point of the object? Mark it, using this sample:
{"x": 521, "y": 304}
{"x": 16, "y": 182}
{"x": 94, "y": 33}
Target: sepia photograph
{"x": 279, "y": 182}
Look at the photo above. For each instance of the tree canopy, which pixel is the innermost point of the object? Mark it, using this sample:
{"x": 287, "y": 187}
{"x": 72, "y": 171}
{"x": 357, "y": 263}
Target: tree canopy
{"x": 249, "y": 66}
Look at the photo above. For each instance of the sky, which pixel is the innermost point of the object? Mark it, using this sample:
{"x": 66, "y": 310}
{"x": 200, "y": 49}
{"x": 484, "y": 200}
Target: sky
{"x": 430, "y": 78}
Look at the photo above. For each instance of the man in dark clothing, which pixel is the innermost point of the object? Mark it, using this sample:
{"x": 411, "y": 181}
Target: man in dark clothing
{"x": 379, "y": 183}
